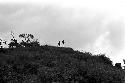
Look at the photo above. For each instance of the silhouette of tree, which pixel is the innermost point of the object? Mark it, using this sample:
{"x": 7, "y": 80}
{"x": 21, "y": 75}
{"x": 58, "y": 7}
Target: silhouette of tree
{"x": 118, "y": 65}
{"x": 29, "y": 40}
{"x": 35, "y": 43}
{"x": 14, "y": 44}
{"x": 27, "y": 37}
{"x": 2, "y": 42}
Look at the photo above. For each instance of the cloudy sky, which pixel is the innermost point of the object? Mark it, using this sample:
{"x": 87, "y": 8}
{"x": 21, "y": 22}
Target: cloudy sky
{"x": 90, "y": 25}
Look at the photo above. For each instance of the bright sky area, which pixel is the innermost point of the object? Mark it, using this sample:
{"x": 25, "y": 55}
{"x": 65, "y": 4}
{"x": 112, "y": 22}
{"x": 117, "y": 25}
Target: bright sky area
{"x": 90, "y": 25}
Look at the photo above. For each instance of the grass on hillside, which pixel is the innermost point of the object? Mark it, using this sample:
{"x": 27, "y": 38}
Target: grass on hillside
{"x": 47, "y": 64}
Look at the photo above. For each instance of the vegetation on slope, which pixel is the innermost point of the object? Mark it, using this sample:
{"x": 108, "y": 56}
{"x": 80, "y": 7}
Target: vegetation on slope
{"x": 56, "y": 64}
{"x": 47, "y": 64}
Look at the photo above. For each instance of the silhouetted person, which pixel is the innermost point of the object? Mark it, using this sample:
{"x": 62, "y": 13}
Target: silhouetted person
{"x": 124, "y": 61}
{"x": 0, "y": 43}
{"x": 59, "y": 43}
{"x": 63, "y": 42}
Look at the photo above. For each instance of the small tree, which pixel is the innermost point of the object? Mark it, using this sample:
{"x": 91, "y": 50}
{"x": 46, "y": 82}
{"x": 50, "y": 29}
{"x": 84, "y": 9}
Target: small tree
{"x": 35, "y": 43}
{"x": 118, "y": 65}
{"x": 13, "y": 43}
{"x": 27, "y": 37}
{"x": 29, "y": 40}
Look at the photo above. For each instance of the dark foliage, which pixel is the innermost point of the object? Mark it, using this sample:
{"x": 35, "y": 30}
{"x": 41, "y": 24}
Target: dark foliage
{"x": 27, "y": 37}
{"x": 28, "y": 40}
{"x": 50, "y": 64}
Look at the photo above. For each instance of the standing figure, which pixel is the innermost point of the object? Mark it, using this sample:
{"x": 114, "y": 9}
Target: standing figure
{"x": 1, "y": 43}
{"x": 63, "y": 42}
{"x": 59, "y": 43}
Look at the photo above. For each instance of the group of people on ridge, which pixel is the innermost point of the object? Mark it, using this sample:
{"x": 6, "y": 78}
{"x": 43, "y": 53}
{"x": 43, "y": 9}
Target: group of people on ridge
{"x": 59, "y": 43}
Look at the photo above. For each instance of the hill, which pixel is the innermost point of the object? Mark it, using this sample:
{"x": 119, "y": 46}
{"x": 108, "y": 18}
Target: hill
{"x": 50, "y": 64}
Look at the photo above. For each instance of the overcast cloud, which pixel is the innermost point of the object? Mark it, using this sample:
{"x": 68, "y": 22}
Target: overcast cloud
{"x": 82, "y": 28}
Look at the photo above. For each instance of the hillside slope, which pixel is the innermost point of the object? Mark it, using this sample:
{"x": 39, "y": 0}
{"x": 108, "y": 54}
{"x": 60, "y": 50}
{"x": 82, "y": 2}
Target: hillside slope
{"x": 47, "y": 64}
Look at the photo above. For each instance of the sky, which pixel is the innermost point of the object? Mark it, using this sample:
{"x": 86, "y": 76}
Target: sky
{"x": 96, "y": 26}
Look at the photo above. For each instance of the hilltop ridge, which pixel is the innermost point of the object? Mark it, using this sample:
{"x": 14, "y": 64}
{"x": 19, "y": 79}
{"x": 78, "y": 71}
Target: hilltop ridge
{"x": 47, "y": 64}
